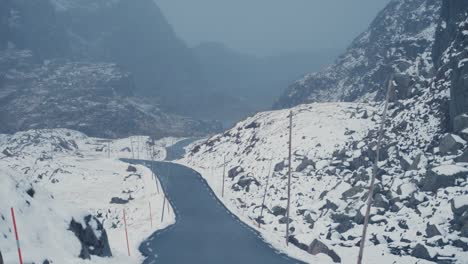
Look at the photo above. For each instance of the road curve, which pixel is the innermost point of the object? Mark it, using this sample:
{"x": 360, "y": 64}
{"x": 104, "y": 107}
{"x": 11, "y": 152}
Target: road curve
{"x": 205, "y": 232}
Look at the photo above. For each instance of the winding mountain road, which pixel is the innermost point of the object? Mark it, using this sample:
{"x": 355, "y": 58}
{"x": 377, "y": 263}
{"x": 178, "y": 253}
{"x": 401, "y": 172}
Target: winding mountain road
{"x": 205, "y": 232}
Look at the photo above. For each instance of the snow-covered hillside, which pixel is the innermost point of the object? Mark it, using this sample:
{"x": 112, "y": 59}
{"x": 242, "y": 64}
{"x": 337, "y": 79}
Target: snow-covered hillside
{"x": 52, "y": 176}
{"x": 421, "y": 190}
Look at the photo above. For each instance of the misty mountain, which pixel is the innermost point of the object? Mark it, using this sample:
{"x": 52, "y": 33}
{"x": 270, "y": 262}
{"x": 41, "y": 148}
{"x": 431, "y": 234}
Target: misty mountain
{"x": 58, "y": 55}
{"x": 254, "y": 82}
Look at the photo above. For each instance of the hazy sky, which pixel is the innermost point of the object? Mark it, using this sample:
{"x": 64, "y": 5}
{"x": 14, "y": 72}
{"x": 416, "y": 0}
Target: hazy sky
{"x": 271, "y": 26}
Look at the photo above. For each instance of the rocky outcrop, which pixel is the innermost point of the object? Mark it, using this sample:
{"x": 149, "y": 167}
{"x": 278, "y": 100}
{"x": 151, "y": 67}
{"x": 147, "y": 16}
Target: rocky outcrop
{"x": 92, "y": 236}
{"x": 450, "y": 53}
{"x": 94, "y": 98}
{"x": 443, "y": 176}
{"x": 395, "y": 43}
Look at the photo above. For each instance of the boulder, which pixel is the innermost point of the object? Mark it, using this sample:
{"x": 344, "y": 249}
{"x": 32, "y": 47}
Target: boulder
{"x": 442, "y": 176}
{"x": 92, "y": 236}
{"x": 304, "y": 164}
{"x": 280, "y": 166}
{"x": 344, "y": 226}
{"x": 420, "y": 251}
{"x": 415, "y": 164}
{"x": 460, "y": 214}
{"x": 246, "y": 181}
{"x": 131, "y": 168}
{"x": 381, "y": 202}
{"x": 432, "y": 231}
{"x": 232, "y": 173}
{"x": 463, "y": 157}
{"x": 451, "y": 144}
{"x": 460, "y": 123}
{"x": 7, "y": 152}
{"x": 352, "y": 192}
{"x": 284, "y": 220}
{"x": 1, "y": 258}
{"x": 317, "y": 247}
{"x": 278, "y": 210}
{"x": 118, "y": 200}
{"x": 294, "y": 241}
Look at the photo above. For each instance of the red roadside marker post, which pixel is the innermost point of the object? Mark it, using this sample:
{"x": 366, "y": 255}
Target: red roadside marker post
{"x": 126, "y": 232}
{"x": 16, "y": 235}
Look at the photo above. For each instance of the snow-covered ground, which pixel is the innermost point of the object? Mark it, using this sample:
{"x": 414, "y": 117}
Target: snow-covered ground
{"x": 333, "y": 148}
{"x": 73, "y": 175}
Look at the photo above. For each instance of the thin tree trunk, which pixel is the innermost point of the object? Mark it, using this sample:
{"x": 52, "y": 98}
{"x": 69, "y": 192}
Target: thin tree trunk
{"x": 265, "y": 193}
{"x": 374, "y": 174}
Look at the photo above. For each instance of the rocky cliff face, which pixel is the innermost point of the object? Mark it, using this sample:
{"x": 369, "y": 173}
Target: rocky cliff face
{"x": 58, "y": 61}
{"x": 399, "y": 41}
{"x": 136, "y": 35}
{"x": 450, "y": 55}
{"x": 95, "y": 98}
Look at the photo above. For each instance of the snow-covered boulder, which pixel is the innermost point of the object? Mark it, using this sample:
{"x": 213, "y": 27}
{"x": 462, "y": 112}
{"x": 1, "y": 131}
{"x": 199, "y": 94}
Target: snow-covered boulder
{"x": 460, "y": 123}
{"x": 92, "y": 236}
{"x": 317, "y": 247}
{"x": 463, "y": 157}
{"x": 443, "y": 176}
{"x": 450, "y": 144}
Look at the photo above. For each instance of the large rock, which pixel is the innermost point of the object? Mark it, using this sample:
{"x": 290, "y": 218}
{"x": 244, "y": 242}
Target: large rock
{"x": 92, "y": 236}
{"x": 232, "y": 173}
{"x": 460, "y": 214}
{"x": 460, "y": 123}
{"x": 451, "y": 144}
{"x": 443, "y": 176}
{"x": 421, "y": 252}
{"x": 317, "y": 247}
{"x": 278, "y": 210}
{"x": 432, "y": 231}
{"x": 245, "y": 182}
{"x": 304, "y": 164}
{"x": 1, "y": 258}
{"x": 463, "y": 157}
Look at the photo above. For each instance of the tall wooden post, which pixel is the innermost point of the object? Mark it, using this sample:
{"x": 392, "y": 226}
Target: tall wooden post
{"x": 224, "y": 176}
{"x": 131, "y": 144}
{"x": 264, "y": 194}
{"x": 289, "y": 177}
{"x": 374, "y": 174}
{"x": 108, "y": 149}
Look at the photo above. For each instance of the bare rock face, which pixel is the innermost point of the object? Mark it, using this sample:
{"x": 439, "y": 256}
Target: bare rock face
{"x": 407, "y": 27}
{"x": 93, "y": 238}
{"x": 449, "y": 55}
{"x": 94, "y": 98}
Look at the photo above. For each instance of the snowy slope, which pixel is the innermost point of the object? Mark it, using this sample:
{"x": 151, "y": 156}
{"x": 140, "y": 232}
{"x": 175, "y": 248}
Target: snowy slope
{"x": 333, "y": 149}
{"x": 72, "y": 176}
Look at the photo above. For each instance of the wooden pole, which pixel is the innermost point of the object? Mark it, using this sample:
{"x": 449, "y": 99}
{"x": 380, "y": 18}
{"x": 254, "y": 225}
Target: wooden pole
{"x": 16, "y": 235}
{"x": 151, "y": 215}
{"x": 108, "y": 149}
{"x": 126, "y": 232}
{"x": 163, "y": 208}
{"x": 289, "y": 177}
{"x": 224, "y": 175}
{"x": 374, "y": 173}
{"x": 265, "y": 193}
{"x": 131, "y": 144}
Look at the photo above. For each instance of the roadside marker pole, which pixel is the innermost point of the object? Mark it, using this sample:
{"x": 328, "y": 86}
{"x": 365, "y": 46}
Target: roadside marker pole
{"x": 374, "y": 174}
{"x": 289, "y": 177}
{"x": 151, "y": 215}
{"x": 108, "y": 149}
{"x": 224, "y": 175}
{"x": 16, "y": 235}
{"x": 265, "y": 193}
{"x": 126, "y": 232}
{"x": 163, "y": 207}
